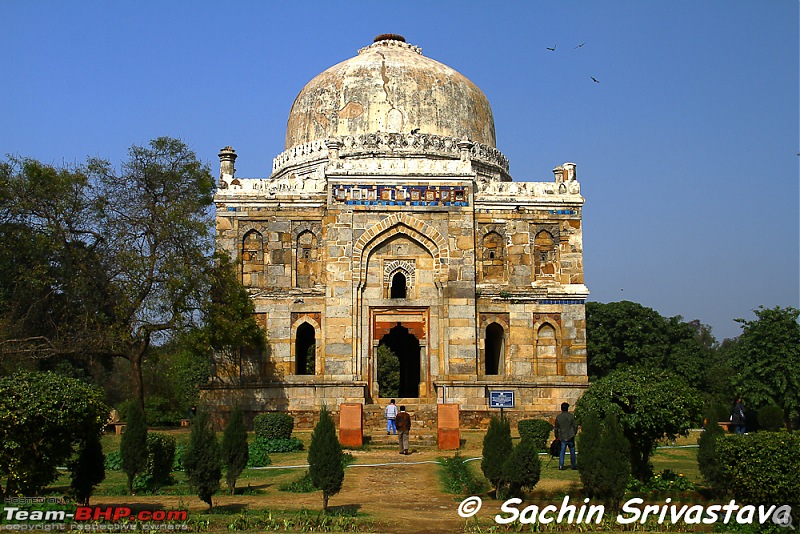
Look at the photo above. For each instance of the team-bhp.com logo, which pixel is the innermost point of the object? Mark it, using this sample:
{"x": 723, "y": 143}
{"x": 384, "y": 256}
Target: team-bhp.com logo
{"x": 96, "y": 518}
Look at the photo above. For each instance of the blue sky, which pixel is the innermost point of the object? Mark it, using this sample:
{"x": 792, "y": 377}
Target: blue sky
{"x": 686, "y": 149}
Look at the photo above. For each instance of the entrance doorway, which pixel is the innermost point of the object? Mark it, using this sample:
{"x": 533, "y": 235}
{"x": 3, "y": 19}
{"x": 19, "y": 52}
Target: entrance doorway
{"x": 406, "y": 347}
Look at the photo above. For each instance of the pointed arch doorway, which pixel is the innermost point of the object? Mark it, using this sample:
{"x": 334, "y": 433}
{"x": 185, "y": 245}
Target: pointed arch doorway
{"x": 404, "y": 331}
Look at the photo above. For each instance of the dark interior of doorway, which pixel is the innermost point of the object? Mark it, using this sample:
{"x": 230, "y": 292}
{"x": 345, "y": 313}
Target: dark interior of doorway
{"x": 406, "y": 346}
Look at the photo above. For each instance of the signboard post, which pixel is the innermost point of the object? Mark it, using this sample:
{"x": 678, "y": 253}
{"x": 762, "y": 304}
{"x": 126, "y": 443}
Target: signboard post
{"x": 501, "y": 399}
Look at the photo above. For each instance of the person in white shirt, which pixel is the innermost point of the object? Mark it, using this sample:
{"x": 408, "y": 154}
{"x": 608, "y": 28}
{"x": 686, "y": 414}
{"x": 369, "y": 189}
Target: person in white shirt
{"x": 391, "y": 414}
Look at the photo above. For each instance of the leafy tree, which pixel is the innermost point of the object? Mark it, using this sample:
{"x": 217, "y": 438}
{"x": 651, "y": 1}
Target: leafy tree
{"x": 622, "y": 334}
{"x": 202, "y": 462}
{"x": 496, "y": 449}
{"x": 156, "y": 239}
{"x": 522, "y": 468}
{"x": 325, "y": 458}
{"x": 133, "y": 444}
{"x": 767, "y": 360}
{"x": 388, "y": 372}
{"x": 605, "y": 465}
{"x": 88, "y": 469}
{"x": 43, "y": 417}
{"x": 650, "y": 404}
{"x": 708, "y": 460}
{"x": 235, "y": 452}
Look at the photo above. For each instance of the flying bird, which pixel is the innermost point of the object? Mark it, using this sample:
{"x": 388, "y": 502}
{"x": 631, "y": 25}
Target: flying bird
{"x": 595, "y": 80}
{"x": 552, "y": 49}
{"x": 580, "y": 45}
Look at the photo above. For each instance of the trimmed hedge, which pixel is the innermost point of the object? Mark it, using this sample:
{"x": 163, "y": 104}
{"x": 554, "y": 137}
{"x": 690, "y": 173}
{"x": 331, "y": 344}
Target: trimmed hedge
{"x": 535, "y": 430}
{"x": 273, "y": 425}
{"x": 160, "y": 457}
{"x": 756, "y": 468}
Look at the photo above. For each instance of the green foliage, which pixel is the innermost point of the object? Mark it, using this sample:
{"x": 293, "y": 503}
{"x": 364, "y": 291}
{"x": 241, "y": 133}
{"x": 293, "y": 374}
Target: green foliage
{"x": 388, "y": 372}
{"x": 766, "y": 358}
{"x": 770, "y": 418}
{"x": 87, "y": 470}
{"x": 160, "y": 459}
{"x": 623, "y": 334}
{"x": 707, "y": 458}
{"x": 325, "y": 458}
{"x": 755, "y": 467}
{"x": 304, "y": 484}
{"x": 522, "y": 468}
{"x": 664, "y": 482}
{"x": 604, "y": 460}
{"x": 279, "y": 445}
{"x": 235, "y": 453}
{"x": 202, "y": 462}
{"x": 133, "y": 445}
{"x": 535, "y": 430}
{"x": 258, "y": 453}
{"x": 650, "y": 404}
{"x": 273, "y": 425}
{"x": 43, "y": 416}
{"x": 180, "y": 455}
{"x": 457, "y": 477}
{"x": 113, "y": 461}
{"x": 496, "y": 449}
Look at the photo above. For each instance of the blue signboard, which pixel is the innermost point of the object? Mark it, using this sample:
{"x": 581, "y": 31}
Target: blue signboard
{"x": 501, "y": 399}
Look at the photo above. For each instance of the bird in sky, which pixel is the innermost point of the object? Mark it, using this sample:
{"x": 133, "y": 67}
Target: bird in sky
{"x": 552, "y": 49}
{"x": 580, "y": 45}
{"x": 595, "y": 80}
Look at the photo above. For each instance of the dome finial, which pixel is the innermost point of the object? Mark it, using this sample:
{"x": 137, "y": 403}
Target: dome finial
{"x": 389, "y": 37}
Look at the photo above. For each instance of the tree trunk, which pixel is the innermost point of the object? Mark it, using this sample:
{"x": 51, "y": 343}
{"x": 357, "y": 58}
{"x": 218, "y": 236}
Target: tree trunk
{"x": 136, "y": 353}
{"x": 325, "y": 497}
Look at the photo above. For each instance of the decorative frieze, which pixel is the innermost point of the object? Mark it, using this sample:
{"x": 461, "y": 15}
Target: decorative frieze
{"x": 400, "y": 195}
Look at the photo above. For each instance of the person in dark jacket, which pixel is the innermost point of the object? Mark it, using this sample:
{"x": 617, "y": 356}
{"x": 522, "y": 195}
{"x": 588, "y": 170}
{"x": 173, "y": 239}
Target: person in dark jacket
{"x": 737, "y": 415}
{"x": 565, "y": 430}
{"x": 403, "y": 422}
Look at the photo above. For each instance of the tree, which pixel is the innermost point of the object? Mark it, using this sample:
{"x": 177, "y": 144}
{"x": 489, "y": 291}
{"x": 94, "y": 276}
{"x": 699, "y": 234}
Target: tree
{"x": 708, "y": 460}
{"x": 43, "y": 417}
{"x": 235, "y": 452}
{"x": 522, "y": 468}
{"x": 202, "y": 461}
{"x": 325, "y": 458}
{"x": 766, "y": 358}
{"x": 88, "y": 469}
{"x": 650, "y": 404}
{"x": 133, "y": 444}
{"x": 156, "y": 239}
{"x": 621, "y": 334}
{"x": 388, "y": 372}
{"x": 497, "y": 448}
{"x": 605, "y": 465}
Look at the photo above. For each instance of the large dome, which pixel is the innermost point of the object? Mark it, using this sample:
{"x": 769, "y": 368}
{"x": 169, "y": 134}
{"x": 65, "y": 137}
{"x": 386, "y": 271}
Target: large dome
{"x": 390, "y": 87}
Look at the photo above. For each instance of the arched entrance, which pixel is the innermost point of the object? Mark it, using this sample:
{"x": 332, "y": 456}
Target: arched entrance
{"x": 406, "y": 346}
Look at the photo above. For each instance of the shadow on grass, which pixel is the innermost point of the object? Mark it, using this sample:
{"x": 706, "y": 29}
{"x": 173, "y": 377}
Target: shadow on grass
{"x": 229, "y": 509}
{"x": 344, "y": 510}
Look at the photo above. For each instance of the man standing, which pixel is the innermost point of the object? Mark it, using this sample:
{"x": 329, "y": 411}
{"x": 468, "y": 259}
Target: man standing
{"x": 391, "y": 413}
{"x": 565, "y": 430}
{"x": 403, "y": 422}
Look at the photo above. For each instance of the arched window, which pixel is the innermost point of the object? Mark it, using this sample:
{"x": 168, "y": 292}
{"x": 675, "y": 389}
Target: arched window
{"x": 547, "y": 350}
{"x": 494, "y": 349}
{"x": 545, "y": 253}
{"x": 306, "y": 255}
{"x": 398, "y": 288}
{"x": 493, "y": 257}
{"x": 252, "y": 258}
{"x": 305, "y": 350}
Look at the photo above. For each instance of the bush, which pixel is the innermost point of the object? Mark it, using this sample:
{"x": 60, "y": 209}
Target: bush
{"x": 160, "y": 458}
{"x": 522, "y": 469}
{"x": 273, "y": 425}
{"x": 235, "y": 453}
{"x": 279, "y": 445}
{"x": 770, "y": 418}
{"x": 133, "y": 444}
{"x": 87, "y": 470}
{"x": 203, "y": 463}
{"x": 303, "y": 484}
{"x": 458, "y": 478}
{"x": 258, "y": 453}
{"x": 180, "y": 454}
{"x": 113, "y": 461}
{"x": 496, "y": 449}
{"x": 756, "y": 467}
{"x": 535, "y": 430}
{"x": 707, "y": 458}
{"x": 604, "y": 460}
{"x": 325, "y": 458}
